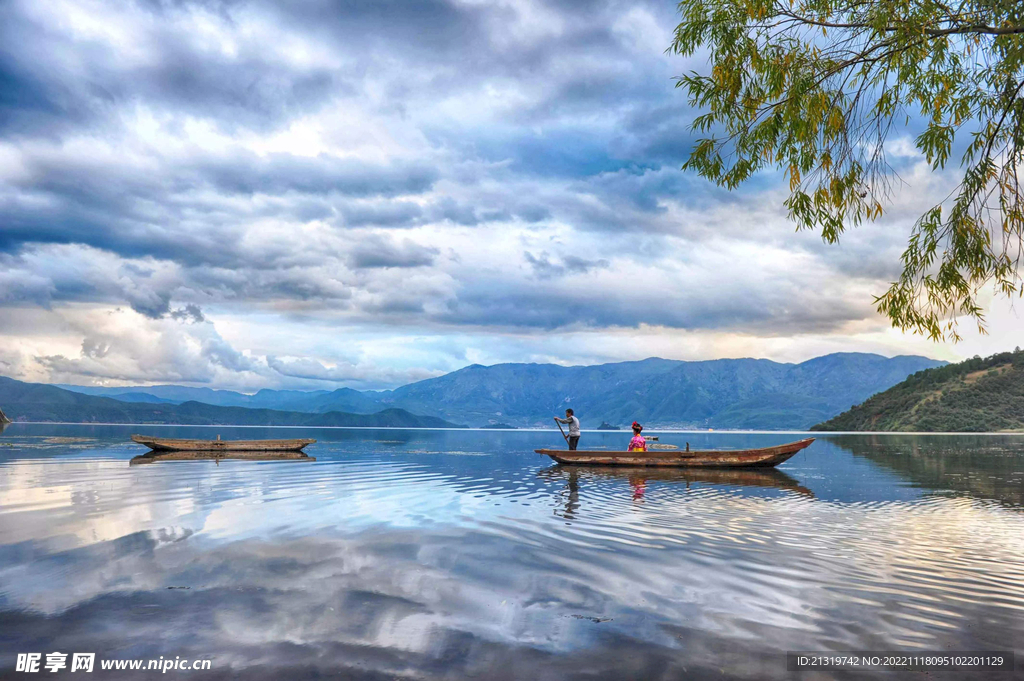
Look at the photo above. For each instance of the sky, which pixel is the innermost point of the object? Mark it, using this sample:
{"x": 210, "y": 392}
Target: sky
{"x": 319, "y": 194}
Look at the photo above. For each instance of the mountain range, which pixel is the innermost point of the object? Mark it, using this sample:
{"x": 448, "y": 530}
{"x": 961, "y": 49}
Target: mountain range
{"x": 976, "y": 395}
{"x": 723, "y": 393}
{"x": 39, "y": 402}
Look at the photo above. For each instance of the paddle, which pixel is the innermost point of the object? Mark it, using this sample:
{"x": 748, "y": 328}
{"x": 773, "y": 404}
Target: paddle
{"x": 559, "y": 424}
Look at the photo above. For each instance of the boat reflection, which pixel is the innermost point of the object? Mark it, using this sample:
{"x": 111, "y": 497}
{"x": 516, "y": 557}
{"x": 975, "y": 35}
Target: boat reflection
{"x": 639, "y": 476}
{"x": 753, "y": 477}
{"x": 154, "y": 457}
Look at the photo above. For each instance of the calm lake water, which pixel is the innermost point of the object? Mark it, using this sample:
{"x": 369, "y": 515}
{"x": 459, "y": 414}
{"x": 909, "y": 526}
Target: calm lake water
{"x": 462, "y": 554}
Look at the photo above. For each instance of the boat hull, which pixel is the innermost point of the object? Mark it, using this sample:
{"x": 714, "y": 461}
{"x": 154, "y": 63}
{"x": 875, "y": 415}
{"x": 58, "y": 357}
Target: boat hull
{"x": 163, "y": 444}
{"x": 763, "y": 457}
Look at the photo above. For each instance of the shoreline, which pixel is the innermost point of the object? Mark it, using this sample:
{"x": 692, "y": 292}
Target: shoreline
{"x": 817, "y": 433}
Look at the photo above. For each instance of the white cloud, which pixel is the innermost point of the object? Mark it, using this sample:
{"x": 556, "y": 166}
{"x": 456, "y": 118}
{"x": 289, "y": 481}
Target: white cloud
{"x": 371, "y": 196}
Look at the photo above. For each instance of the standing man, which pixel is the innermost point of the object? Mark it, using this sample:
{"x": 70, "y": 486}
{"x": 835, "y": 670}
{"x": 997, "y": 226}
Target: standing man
{"x": 574, "y": 428}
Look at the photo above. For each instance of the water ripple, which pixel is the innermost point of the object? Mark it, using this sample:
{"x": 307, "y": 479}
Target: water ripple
{"x": 445, "y": 535}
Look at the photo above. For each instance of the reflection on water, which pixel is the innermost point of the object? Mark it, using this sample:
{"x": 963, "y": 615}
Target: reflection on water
{"x": 639, "y": 477}
{"x": 451, "y": 554}
{"x": 977, "y": 465}
{"x": 156, "y": 457}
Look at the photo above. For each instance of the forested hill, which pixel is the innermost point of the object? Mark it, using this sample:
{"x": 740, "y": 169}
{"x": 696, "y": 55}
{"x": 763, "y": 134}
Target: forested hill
{"x": 978, "y": 395}
{"x": 37, "y": 402}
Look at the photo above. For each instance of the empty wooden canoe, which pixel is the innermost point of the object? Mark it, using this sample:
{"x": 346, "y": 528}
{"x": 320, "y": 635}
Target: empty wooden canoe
{"x": 163, "y": 444}
{"x": 763, "y": 457}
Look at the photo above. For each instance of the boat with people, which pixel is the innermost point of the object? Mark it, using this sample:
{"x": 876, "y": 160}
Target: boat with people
{"x": 761, "y": 457}
{"x": 164, "y": 444}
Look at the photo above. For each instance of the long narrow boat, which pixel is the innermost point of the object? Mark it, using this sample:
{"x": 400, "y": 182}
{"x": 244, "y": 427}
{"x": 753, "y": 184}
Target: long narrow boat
{"x": 164, "y": 444}
{"x": 763, "y": 457}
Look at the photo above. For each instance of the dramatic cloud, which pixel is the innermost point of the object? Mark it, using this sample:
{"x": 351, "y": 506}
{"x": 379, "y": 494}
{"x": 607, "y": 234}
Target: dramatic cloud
{"x": 464, "y": 177}
{"x": 545, "y": 269}
{"x": 378, "y": 252}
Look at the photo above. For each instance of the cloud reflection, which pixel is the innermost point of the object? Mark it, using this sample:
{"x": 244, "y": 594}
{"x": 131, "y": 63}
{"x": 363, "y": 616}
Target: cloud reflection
{"x": 419, "y": 556}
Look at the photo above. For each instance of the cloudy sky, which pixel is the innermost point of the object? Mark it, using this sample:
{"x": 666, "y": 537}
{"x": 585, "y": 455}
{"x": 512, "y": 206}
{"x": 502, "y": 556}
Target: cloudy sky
{"x": 314, "y": 194}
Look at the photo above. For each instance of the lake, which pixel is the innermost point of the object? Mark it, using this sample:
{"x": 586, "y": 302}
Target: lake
{"x": 462, "y": 554}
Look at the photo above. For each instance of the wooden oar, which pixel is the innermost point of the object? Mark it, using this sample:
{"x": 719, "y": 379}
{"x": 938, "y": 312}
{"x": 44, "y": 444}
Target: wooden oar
{"x": 559, "y": 424}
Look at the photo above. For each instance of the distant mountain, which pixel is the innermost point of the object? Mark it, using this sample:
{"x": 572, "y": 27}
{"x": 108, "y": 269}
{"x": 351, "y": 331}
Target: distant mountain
{"x": 313, "y": 401}
{"x": 141, "y": 397}
{"x": 343, "y": 399}
{"x": 37, "y": 402}
{"x": 978, "y": 395}
{"x": 727, "y": 393}
{"x": 176, "y": 394}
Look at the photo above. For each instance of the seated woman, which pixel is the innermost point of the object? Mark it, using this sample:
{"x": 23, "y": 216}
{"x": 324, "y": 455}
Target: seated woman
{"x": 638, "y": 443}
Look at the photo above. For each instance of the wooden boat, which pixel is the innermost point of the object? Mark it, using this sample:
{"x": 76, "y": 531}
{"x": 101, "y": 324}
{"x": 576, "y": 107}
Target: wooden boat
{"x": 763, "y": 457}
{"x": 163, "y": 444}
{"x": 156, "y": 457}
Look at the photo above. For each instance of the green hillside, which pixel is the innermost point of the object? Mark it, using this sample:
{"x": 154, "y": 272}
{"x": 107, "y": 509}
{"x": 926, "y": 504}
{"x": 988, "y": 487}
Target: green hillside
{"x": 977, "y": 395}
